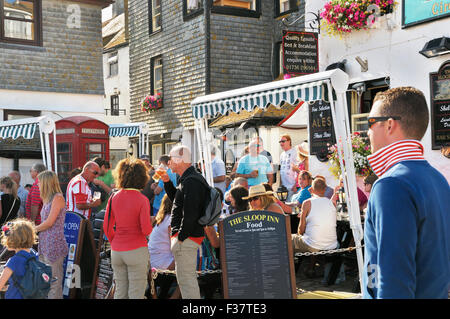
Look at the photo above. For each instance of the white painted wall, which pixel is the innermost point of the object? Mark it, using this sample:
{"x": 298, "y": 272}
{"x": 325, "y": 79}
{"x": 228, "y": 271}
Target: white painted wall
{"x": 120, "y": 82}
{"x": 391, "y": 51}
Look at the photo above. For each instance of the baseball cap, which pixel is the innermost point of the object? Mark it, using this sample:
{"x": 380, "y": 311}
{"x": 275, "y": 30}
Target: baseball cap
{"x": 144, "y": 157}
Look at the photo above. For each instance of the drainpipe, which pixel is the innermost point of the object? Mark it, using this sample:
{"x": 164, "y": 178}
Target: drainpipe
{"x": 207, "y": 21}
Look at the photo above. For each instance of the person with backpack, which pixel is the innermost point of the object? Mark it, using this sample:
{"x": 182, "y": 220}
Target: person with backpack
{"x": 25, "y": 275}
{"x": 52, "y": 241}
{"x": 189, "y": 199}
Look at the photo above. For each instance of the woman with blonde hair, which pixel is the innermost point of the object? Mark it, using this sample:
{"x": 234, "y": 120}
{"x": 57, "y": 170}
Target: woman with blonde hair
{"x": 9, "y": 201}
{"x": 260, "y": 199}
{"x": 52, "y": 242}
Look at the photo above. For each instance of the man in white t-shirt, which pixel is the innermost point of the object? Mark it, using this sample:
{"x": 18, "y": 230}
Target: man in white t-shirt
{"x": 287, "y": 158}
{"x": 78, "y": 194}
{"x": 317, "y": 227}
{"x": 218, "y": 171}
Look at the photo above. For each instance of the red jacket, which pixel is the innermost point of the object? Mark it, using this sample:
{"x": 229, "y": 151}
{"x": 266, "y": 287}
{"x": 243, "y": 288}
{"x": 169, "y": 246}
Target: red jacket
{"x": 130, "y": 214}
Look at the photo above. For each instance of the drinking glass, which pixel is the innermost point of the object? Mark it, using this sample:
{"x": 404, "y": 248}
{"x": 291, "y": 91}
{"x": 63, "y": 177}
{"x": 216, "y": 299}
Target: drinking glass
{"x": 159, "y": 171}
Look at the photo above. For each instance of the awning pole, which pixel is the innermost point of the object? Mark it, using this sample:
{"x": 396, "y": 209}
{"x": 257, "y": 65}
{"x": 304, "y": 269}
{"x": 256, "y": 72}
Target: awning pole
{"x": 41, "y": 138}
{"x": 199, "y": 144}
{"x": 209, "y": 176}
{"x": 342, "y": 130}
{"x": 55, "y": 150}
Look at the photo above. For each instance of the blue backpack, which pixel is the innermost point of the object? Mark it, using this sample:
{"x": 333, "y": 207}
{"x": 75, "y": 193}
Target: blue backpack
{"x": 36, "y": 282}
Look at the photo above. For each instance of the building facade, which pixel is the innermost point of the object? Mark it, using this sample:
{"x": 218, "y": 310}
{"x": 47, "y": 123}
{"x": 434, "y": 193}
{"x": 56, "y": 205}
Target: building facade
{"x": 182, "y": 50}
{"x": 386, "y": 56}
{"x": 51, "y": 63}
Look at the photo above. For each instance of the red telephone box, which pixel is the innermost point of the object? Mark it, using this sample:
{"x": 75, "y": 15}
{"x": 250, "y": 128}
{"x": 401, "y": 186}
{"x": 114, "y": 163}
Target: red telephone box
{"x": 78, "y": 140}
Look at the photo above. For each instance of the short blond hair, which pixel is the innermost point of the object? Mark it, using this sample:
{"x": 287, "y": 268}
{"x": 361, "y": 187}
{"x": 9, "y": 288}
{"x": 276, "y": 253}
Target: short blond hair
{"x": 18, "y": 234}
{"x": 48, "y": 185}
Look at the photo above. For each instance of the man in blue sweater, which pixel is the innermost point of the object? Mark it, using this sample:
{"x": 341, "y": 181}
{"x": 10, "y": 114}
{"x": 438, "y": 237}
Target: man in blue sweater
{"x": 407, "y": 227}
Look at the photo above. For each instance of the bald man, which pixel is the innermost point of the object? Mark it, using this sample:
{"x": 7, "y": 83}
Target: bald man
{"x": 78, "y": 194}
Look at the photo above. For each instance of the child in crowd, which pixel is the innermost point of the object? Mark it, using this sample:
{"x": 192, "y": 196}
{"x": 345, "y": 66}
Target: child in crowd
{"x": 17, "y": 235}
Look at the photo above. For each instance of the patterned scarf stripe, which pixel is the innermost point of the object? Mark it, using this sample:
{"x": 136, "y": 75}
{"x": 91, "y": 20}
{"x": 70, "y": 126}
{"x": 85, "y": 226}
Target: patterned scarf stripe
{"x": 396, "y": 152}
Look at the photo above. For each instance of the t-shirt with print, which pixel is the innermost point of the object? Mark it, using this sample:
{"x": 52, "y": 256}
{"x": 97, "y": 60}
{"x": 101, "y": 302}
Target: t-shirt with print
{"x": 248, "y": 163}
{"x": 288, "y": 176}
{"x": 17, "y": 264}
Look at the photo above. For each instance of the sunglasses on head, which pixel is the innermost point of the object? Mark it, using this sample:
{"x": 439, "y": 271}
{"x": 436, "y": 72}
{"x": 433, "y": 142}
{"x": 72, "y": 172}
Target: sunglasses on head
{"x": 372, "y": 120}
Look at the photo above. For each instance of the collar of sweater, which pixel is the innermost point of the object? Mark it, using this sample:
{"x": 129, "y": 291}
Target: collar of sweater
{"x": 386, "y": 157}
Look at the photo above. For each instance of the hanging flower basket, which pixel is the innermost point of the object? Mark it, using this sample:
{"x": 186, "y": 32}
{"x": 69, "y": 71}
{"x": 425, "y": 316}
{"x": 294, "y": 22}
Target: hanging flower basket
{"x": 340, "y": 17}
{"x": 361, "y": 149}
{"x": 151, "y": 103}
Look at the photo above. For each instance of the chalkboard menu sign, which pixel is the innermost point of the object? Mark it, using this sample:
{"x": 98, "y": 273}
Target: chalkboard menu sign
{"x": 440, "y": 106}
{"x": 300, "y": 52}
{"x": 257, "y": 256}
{"x": 321, "y": 129}
{"x": 104, "y": 282}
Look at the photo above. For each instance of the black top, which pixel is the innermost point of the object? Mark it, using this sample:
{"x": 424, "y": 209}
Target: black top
{"x": 189, "y": 199}
{"x": 7, "y": 201}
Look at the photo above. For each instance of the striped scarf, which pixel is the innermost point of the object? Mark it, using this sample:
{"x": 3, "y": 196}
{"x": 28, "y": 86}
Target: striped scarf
{"x": 386, "y": 157}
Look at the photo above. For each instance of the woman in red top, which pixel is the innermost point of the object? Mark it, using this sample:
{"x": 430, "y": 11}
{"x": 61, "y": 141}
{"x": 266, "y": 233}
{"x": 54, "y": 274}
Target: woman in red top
{"x": 127, "y": 224}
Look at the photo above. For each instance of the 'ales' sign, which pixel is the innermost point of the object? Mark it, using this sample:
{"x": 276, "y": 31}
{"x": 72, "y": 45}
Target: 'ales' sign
{"x": 321, "y": 129}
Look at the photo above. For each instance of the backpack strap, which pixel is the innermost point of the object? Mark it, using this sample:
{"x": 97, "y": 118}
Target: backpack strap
{"x": 14, "y": 276}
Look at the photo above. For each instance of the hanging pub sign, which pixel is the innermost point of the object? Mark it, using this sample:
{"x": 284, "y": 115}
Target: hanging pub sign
{"x": 420, "y": 11}
{"x": 321, "y": 129}
{"x": 440, "y": 106}
{"x": 300, "y": 52}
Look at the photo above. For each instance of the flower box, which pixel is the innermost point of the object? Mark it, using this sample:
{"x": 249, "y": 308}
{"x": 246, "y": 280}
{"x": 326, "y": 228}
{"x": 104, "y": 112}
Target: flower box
{"x": 151, "y": 103}
{"x": 340, "y": 17}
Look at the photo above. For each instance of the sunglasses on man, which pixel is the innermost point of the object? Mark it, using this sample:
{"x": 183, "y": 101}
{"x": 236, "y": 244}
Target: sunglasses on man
{"x": 94, "y": 172}
{"x": 372, "y": 120}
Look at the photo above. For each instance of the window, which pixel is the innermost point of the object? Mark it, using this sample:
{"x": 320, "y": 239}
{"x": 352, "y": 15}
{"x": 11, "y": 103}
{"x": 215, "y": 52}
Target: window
{"x": 156, "y": 153}
{"x": 244, "y": 8}
{"x": 94, "y": 150}
{"x": 360, "y": 98}
{"x": 20, "y": 21}
{"x": 114, "y": 105}
{"x": 156, "y": 76}
{"x": 192, "y": 8}
{"x": 169, "y": 146}
{"x": 113, "y": 63}
{"x": 285, "y": 6}
{"x": 18, "y": 114}
{"x": 154, "y": 9}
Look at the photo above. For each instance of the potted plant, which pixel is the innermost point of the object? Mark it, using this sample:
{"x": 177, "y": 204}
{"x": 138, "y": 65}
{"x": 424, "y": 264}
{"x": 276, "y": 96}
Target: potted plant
{"x": 360, "y": 148}
{"x": 340, "y": 17}
{"x": 151, "y": 103}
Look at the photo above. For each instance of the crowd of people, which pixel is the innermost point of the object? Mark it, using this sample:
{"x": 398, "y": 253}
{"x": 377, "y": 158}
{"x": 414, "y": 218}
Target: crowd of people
{"x": 151, "y": 213}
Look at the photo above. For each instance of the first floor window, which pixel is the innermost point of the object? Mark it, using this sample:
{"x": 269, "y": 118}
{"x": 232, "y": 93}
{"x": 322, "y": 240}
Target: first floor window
{"x": 192, "y": 7}
{"x": 20, "y": 21}
{"x": 114, "y": 105}
{"x": 285, "y": 6}
{"x": 157, "y": 75}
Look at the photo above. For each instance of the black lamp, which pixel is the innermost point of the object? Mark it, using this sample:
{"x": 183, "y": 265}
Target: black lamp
{"x": 436, "y": 47}
{"x": 282, "y": 193}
